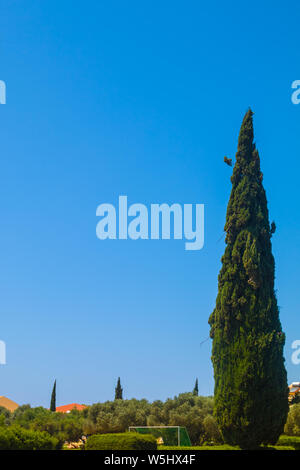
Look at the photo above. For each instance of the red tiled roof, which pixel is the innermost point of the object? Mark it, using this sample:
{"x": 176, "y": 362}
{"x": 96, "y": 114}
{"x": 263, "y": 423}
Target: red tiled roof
{"x": 68, "y": 408}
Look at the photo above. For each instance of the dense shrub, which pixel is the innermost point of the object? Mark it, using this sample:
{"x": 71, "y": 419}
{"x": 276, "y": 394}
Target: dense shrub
{"x": 65, "y": 427}
{"x": 292, "y": 425}
{"x": 116, "y": 416}
{"x": 16, "y": 438}
{"x": 212, "y": 433}
{"x": 121, "y": 441}
{"x": 5, "y": 416}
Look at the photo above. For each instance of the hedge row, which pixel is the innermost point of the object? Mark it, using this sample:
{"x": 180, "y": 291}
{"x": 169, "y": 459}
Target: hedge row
{"x": 16, "y": 438}
{"x": 121, "y": 441}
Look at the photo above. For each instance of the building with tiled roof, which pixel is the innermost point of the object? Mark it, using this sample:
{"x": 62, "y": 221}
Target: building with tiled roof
{"x": 69, "y": 408}
{"x": 8, "y": 404}
{"x": 294, "y": 391}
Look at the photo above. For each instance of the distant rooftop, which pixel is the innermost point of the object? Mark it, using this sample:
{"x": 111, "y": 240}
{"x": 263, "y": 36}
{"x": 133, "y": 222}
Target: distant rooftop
{"x": 69, "y": 408}
{"x": 294, "y": 391}
{"x": 8, "y": 404}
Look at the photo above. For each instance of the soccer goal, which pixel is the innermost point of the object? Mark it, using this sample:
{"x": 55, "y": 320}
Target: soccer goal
{"x": 165, "y": 435}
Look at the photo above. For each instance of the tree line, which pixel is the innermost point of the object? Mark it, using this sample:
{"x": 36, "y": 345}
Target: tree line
{"x": 187, "y": 409}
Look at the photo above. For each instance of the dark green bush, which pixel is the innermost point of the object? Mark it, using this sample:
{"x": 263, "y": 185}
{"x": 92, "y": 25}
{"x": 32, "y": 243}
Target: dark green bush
{"x": 63, "y": 426}
{"x": 16, "y": 438}
{"x": 121, "y": 441}
{"x": 292, "y": 425}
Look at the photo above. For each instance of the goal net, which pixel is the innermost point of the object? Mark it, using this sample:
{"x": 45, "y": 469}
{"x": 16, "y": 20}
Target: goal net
{"x": 165, "y": 435}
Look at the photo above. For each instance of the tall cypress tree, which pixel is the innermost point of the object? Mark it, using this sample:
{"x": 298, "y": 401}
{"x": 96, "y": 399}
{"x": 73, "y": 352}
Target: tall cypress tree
{"x": 119, "y": 391}
{"x": 196, "y": 389}
{"x": 251, "y": 395}
{"x": 53, "y": 398}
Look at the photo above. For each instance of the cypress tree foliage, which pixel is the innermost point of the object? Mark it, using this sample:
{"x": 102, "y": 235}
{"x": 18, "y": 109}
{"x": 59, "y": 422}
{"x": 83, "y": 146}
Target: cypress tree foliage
{"x": 119, "y": 391}
{"x": 53, "y": 398}
{"x": 251, "y": 394}
{"x": 196, "y": 389}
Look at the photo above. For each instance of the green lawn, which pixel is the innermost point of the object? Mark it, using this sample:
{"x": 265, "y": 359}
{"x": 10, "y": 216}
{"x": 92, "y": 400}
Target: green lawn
{"x": 284, "y": 443}
{"x": 293, "y": 441}
{"x": 223, "y": 447}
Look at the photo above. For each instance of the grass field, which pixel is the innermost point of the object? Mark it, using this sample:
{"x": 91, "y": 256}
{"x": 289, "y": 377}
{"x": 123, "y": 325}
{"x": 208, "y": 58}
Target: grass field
{"x": 293, "y": 441}
{"x": 284, "y": 443}
{"x": 223, "y": 447}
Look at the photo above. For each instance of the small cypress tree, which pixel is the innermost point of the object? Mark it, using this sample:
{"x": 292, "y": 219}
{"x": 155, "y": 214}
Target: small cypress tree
{"x": 53, "y": 398}
{"x": 196, "y": 389}
{"x": 119, "y": 391}
{"x": 251, "y": 394}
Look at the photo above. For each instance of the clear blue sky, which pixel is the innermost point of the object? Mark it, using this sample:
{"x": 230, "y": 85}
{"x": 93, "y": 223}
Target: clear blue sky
{"x": 142, "y": 99}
